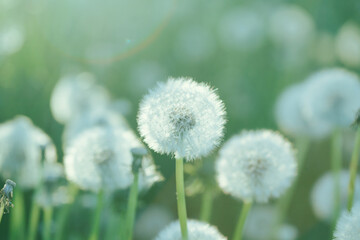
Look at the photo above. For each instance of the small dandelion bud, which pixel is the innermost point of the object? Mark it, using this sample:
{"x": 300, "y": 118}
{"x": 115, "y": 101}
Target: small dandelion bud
{"x": 256, "y": 165}
{"x": 6, "y": 195}
{"x": 356, "y": 122}
{"x": 331, "y": 98}
{"x": 197, "y": 231}
{"x": 323, "y": 205}
{"x": 348, "y": 227}
{"x": 138, "y": 154}
{"x": 182, "y": 117}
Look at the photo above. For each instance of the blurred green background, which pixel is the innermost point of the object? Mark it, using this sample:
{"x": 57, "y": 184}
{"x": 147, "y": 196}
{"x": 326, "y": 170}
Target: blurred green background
{"x": 130, "y": 45}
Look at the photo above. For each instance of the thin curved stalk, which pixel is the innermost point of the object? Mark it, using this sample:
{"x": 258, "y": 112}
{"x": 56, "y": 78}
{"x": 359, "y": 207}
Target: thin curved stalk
{"x": 353, "y": 170}
{"x": 132, "y": 203}
{"x": 181, "y": 203}
{"x": 241, "y": 222}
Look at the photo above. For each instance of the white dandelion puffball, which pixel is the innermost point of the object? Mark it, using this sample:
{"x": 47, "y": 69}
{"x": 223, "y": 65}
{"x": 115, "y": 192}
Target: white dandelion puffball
{"x": 348, "y": 44}
{"x": 146, "y": 228}
{"x": 12, "y": 38}
{"x": 22, "y": 147}
{"x": 264, "y": 216}
{"x": 291, "y": 26}
{"x": 256, "y": 165}
{"x": 75, "y": 94}
{"x": 182, "y": 117}
{"x": 322, "y": 199}
{"x": 348, "y": 227}
{"x": 95, "y": 117}
{"x": 331, "y": 98}
{"x": 290, "y": 117}
{"x": 196, "y": 231}
{"x": 242, "y": 29}
{"x": 100, "y": 158}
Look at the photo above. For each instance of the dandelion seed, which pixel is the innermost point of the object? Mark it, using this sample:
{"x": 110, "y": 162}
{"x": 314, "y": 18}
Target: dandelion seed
{"x": 20, "y": 151}
{"x": 75, "y": 94}
{"x": 6, "y": 195}
{"x": 348, "y": 227}
{"x": 197, "y": 231}
{"x": 323, "y": 205}
{"x": 182, "y": 117}
{"x": 256, "y": 165}
{"x": 100, "y": 158}
{"x": 332, "y": 98}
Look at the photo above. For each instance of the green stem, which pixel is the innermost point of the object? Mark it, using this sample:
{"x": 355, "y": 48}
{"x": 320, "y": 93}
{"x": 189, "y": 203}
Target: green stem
{"x": 48, "y": 213}
{"x": 1, "y": 209}
{"x": 34, "y": 220}
{"x": 353, "y": 170}
{"x": 64, "y": 213}
{"x": 241, "y": 222}
{"x": 17, "y": 226}
{"x": 96, "y": 219}
{"x": 131, "y": 211}
{"x": 181, "y": 198}
{"x": 206, "y": 205}
{"x": 284, "y": 203}
{"x": 336, "y": 152}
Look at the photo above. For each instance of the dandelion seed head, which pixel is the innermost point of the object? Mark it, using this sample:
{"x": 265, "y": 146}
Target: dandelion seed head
{"x": 182, "y": 117}
{"x": 290, "y": 118}
{"x": 101, "y": 157}
{"x": 21, "y": 148}
{"x": 331, "y": 98}
{"x": 323, "y": 205}
{"x": 196, "y": 231}
{"x": 256, "y": 165}
{"x": 348, "y": 227}
{"x": 146, "y": 227}
{"x": 347, "y": 44}
{"x": 75, "y": 94}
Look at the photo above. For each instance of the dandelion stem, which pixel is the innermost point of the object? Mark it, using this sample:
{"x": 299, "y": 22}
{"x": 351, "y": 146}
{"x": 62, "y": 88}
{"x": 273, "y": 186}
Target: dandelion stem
{"x": 1, "y": 209}
{"x": 48, "y": 213}
{"x": 96, "y": 218}
{"x": 181, "y": 198}
{"x": 132, "y": 202}
{"x": 353, "y": 170}
{"x": 64, "y": 213}
{"x": 17, "y": 226}
{"x": 302, "y": 145}
{"x": 336, "y": 167}
{"x": 34, "y": 220}
{"x": 241, "y": 222}
{"x": 206, "y": 205}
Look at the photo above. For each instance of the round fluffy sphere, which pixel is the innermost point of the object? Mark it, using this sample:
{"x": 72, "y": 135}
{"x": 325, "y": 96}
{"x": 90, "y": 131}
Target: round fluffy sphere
{"x": 104, "y": 117}
{"x": 322, "y": 199}
{"x": 290, "y": 117}
{"x": 348, "y": 44}
{"x": 256, "y": 165}
{"x": 197, "y": 231}
{"x": 331, "y": 98}
{"x": 146, "y": 228}
{"x": 182, "y": 117}
{"x": 348, "y": 227}
{"x": 264, "y": 216}
{"x": 21, "y": 150}
{"x": 100, "y": 158}
{"x": 75, "y": 94}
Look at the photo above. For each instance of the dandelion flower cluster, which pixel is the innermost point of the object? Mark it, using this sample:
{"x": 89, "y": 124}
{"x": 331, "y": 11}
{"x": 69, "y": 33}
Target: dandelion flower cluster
{"x": 75, "y": 94}
{"x": 348, "y": 227}
{"x": 197, "y": 231}
{"x": 332, "y": 98}
{"x": 182, "y": 117}
{"x": 22, "y": 146}
{"x": 100, "y": 158}
{"x": 322, "y": 204}
{"x": 256, "y": 165}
